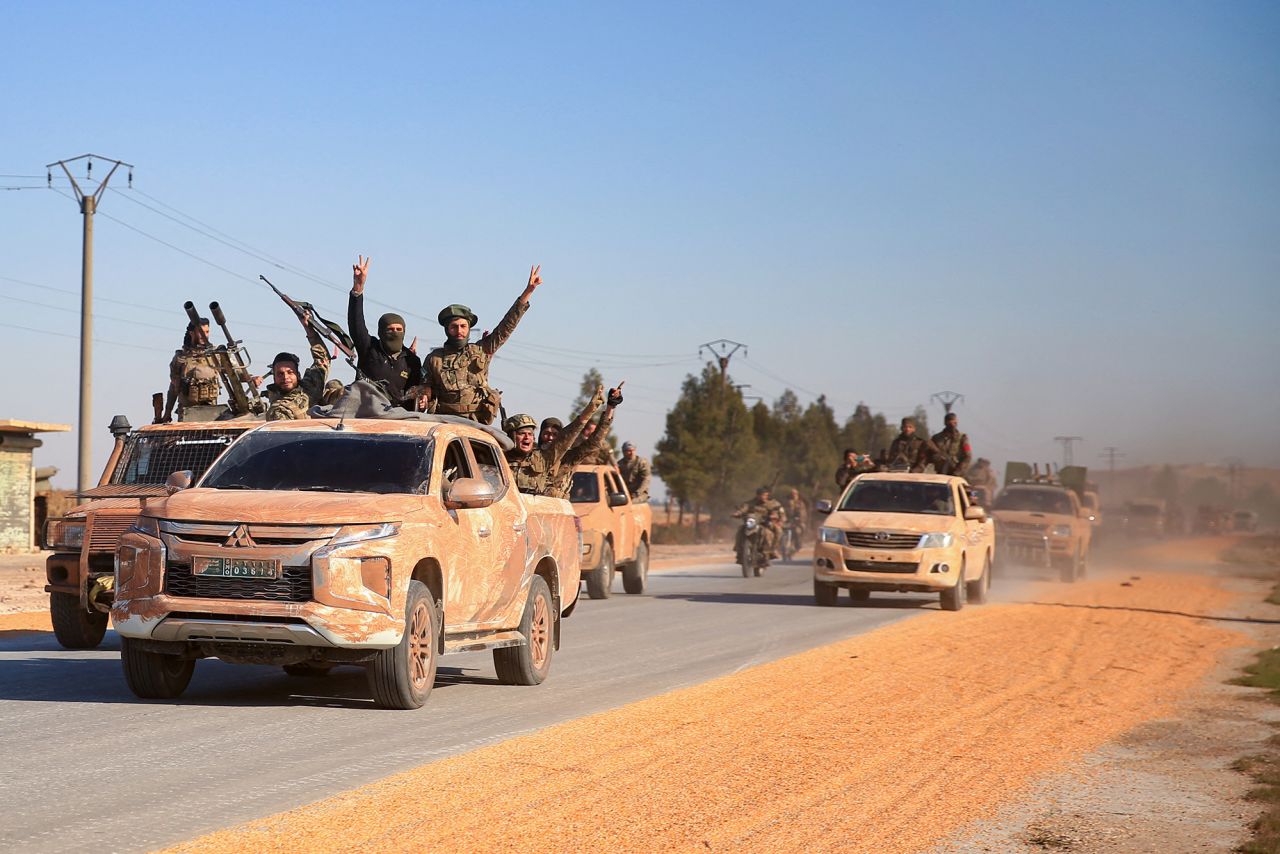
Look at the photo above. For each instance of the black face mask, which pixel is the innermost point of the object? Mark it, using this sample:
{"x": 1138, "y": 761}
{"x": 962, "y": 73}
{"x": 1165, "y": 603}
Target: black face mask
{"x": 392, "y": 342}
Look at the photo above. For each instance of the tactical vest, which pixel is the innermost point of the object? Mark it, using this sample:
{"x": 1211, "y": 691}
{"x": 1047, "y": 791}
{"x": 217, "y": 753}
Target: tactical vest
{"x": 200, "y": 385}
{"x": 532, "y": 471}
{"x": 459, "y": 380}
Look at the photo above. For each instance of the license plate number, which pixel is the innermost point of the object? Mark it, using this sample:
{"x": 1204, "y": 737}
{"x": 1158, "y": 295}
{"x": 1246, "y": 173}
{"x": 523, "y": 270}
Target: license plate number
{"x": 234, "y": 567}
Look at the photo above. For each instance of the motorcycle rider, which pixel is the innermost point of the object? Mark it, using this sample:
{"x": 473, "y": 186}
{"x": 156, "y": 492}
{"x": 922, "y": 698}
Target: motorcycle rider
{"x": 771, "y": 516}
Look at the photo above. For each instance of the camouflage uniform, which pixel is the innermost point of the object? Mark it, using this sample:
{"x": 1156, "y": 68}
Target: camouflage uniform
{"x": 982, "y": 475}
{"x": 953, "y": 452}
{"x": 195, "y": 380}
{"x": 914, "y": 451}
{"x": 635, "y": 474}
{"x": 457, "y": 375}
{"x": 296, "y": 404}
{"x": 534, "y": 471}
{"x": 848, "y": 472}
{"x": 585, "y": 452}
{"x": 771, "y": 515}
{"x": 798, "y": 513}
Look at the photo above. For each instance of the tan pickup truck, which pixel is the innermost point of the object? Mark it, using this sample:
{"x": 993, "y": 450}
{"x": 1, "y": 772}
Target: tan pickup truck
{"x": 900, "y": 532}
{"x": 383, "y": 543}
{"x": 615, "y": 531}
{"x": 1043, "y": 524}
{"x": 80, "y": 572}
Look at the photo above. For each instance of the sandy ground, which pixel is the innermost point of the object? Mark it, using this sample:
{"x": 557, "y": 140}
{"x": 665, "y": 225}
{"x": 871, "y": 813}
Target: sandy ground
{"x": 896, "y": 740}
{"x": 22, "y": 584}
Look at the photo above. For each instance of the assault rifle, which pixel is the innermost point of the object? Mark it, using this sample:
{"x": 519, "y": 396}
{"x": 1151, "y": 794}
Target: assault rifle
{"x": 230, "y": 360}
{"x": 311, "y": 319}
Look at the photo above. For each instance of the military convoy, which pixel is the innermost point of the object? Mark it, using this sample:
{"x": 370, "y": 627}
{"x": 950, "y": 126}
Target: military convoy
{"x": 1043, "y": 521}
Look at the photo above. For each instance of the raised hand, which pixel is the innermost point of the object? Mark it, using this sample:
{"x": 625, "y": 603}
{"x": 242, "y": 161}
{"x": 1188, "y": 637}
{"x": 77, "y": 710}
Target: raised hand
{"x": 359, "y": 272}
{"x": 615, "y": 395}
{"x": 535, "y": 276}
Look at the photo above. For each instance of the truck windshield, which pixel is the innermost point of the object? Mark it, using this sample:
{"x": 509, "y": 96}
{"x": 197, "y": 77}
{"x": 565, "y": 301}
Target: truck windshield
{"x": 585, "y": 489}
{"x": 149, "y": 458}
{"x": 1035, "y": 500}
{"x": 900, "y": 496}
{"x": 324, "y": 462}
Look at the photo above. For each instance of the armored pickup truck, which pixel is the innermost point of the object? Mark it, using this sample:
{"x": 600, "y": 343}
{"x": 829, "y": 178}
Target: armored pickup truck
{"x": 1043, "y": 521}
{"x": 615, "y": 531}
{"x": 80, "y": 572}
{"x": 901, "y": 532}
{"x": 315, "y": 543}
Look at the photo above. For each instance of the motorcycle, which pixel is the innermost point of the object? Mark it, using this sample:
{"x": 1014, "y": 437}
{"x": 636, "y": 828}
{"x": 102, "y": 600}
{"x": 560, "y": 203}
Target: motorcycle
{"x": 751, "y": 554}
{"x": 790, "y": 542}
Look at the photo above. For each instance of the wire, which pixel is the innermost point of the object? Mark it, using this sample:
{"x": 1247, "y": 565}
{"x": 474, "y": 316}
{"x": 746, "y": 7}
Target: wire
{"x": 77, "y": 337}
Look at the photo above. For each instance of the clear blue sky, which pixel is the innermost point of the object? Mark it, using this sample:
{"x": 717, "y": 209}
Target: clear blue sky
{"x": 1068, "y": 212}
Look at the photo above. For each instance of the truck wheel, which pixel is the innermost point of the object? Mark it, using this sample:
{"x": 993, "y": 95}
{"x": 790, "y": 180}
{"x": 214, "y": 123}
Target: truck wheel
{"x": 600, "y": 579}
{"x": 529, "y": 663}
{"x": 1083, "y": 569}
{"x": 953, "y": 598}
{"x": 825, "y": 594}
{"x": 153, "y": 675}
{"x": 73, "y": 626}
{"x": 308, "y": 669}
{"x": 636, "y": 573}
{"x": 859, "y": 596}
{"x": 977, "y": 590}
{"x": 1070, "y": 570}
{"x": 401, "y": 677}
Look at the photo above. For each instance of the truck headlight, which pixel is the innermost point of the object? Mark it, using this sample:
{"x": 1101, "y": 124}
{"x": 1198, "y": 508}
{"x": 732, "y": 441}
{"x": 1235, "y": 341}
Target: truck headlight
{"x": 64, "y": 534}
{"x": 935, "y": 540}
{"x": 350, "y": 534}
{"x": 831, "y": 535}
{"x": 1060, "y": 531}
{"x": 148, "y": 525}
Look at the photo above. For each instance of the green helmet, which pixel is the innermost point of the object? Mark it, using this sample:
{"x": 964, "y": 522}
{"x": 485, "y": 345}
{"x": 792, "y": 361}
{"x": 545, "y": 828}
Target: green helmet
{"x": 449, "y": 312}
{"x": 518, "y": 422}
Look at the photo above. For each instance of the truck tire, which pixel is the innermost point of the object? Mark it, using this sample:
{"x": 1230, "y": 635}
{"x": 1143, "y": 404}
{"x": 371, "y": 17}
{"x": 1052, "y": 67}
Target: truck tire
{"x": 600, "y": 579}
{"x": 977, "y": 590}
{"x": 825, "y": 594}
{"x": 953, "y": 598}
{"x": 73, "y": 626}
{"x": 636, "y": 573}
{"x": 153, "y": 675}
{"x": 1070, "y": 570}
{"x": 859, "y": 596}
{"x": 529, "y": 663}
{"x": 402, "y": 677}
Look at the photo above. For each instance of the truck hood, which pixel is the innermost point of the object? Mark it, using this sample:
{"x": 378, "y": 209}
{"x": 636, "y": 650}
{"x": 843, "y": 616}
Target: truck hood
{"x": 117, "y": 504}
{"x": 922, "y": 523}
{"x": 1033, "y": 517}
{"x": 282, "y": 507}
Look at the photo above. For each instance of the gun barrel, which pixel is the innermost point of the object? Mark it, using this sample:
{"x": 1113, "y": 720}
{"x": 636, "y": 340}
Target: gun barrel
{"x": 191, "y": 312}
{"x": 217, "y": 314}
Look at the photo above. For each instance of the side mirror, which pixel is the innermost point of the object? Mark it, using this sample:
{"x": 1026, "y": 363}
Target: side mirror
{"x": 823, "y": 506}
{"x": 178, "y": 481}
{"x": 617, "y": 499}
{"x": 975, "y": 514}
{"x": 469, "y": 493}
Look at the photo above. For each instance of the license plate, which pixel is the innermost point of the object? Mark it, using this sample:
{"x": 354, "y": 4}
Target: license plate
{"x": 234, "y": 567}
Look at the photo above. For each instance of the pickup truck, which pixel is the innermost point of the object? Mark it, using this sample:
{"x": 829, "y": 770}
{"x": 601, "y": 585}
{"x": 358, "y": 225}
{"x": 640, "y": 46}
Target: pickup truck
{"x": 80, "y": 572}
{"x": 382, "y": 543}
{"x": 1044, "y": 524}
{"x": 901, "y": 532}
{"x": 615, "y": 531}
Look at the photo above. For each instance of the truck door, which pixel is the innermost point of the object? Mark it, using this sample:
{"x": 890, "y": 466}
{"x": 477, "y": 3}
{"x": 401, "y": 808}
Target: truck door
{"x": 509, "y": 541}
{"x": 470, "y": 556}
{"x": 624, "y": 519}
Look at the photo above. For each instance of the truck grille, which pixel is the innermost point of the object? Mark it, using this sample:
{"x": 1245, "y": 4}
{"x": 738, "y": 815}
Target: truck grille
{"x": 294, "y": 585}
{"x": 105, "y": 531}
{"x": 1022, "y": 528}
{"x": 878, "y": 566}
{"x": 881, "y": 540}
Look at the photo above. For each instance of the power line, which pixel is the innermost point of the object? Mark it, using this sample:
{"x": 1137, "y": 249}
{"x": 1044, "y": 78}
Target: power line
{"x": 1067, "y": 442}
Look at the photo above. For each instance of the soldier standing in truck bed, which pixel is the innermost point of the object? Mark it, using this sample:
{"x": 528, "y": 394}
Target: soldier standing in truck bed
{"x": 384, "y": 360}
{"x": 635, "y": 473}
{"x": 292, "y": 393}
{"x": 456, "y": 376}
{"x": 533, "y": 467}
{"x": 193, "y": 381}
{"x": 915, "y": 452}
{"x": 592, "y": 447}
{"x": 954, "y": 452}
{"x": 854, "y": 464}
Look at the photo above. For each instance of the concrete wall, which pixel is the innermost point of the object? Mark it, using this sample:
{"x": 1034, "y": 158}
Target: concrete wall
{"x": 17, "y": 493}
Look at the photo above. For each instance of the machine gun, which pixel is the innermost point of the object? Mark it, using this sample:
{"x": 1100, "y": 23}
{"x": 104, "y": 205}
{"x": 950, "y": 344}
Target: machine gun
{"x": 231, "y": 361}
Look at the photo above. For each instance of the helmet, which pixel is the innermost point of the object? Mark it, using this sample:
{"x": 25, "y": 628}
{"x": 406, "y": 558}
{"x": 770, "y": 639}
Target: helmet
{"x": 761, "y": 490}
{"x": 519, "y": 422}
{"x": 449, "y": 312}
{"x": 552, "y": 422}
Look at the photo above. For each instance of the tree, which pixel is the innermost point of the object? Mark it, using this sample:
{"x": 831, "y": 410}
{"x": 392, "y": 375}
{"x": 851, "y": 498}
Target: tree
{"x": 592, "y": 380}
{"x": 865, "y": 432}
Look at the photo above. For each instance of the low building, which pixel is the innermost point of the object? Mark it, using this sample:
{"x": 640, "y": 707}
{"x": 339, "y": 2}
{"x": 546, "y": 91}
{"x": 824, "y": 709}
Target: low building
{"x": 18, "y": 482}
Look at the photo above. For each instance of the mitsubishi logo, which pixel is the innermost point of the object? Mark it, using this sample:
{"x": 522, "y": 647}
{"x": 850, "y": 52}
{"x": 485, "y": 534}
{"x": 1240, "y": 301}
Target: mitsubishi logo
{"x": 240, "y": 539}
{"x": 881, "y": 536}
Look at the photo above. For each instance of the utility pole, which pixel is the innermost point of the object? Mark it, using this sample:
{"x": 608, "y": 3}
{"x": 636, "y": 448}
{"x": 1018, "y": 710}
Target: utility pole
{"x": 723, "y": 350}
{"x": 948, "y": 399}
{"x": 1111, "y": 453}
{"x": 88, "y": 206}
{"x": 1068, "y": 459}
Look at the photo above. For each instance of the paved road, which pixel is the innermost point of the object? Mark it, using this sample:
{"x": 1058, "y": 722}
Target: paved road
{"x": 84, "y": 762}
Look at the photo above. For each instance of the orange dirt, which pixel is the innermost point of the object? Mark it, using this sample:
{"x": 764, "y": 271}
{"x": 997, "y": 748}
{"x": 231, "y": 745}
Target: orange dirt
{"x": 30, "y": 621}
{"x": 887, "y": 741}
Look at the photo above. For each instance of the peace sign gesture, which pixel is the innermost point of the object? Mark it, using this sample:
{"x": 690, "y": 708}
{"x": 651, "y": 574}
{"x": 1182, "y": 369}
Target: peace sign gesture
{"x": 359, "y": 271}
{"x": 535, "y": 279}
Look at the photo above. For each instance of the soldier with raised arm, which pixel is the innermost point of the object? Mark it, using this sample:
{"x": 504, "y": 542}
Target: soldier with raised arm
{"x": 592, "y": 447}
{"x": 534, "y": 467}
{"x": 383, "y": 360}
{"x": 292, "y": 393}
{"x": 456, "y": 375}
